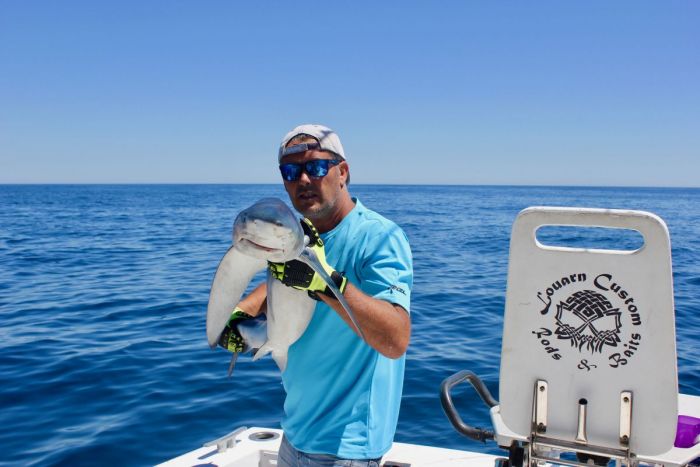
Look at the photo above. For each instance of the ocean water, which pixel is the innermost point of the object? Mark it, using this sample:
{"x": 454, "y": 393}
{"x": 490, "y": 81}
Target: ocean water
{"x": 103, "y": 292}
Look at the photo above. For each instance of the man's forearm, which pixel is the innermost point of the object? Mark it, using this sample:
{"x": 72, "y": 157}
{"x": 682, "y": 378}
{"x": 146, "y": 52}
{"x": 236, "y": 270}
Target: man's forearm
{"x": 254, "y": 303}
{"x": 387, "y": 327}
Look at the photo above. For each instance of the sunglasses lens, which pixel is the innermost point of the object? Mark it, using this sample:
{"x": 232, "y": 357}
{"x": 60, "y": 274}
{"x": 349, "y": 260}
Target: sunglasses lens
{"x": 317, "y": 168}
{"x": 290, "y": 172}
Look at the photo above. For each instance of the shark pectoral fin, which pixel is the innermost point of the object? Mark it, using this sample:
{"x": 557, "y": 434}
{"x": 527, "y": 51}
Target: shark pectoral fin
{"x": 309, "y": 257}
{"x": 230, "y": 281}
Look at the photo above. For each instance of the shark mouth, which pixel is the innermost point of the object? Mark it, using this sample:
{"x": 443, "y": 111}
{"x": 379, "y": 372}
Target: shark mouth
{"x": 258, "y": 246}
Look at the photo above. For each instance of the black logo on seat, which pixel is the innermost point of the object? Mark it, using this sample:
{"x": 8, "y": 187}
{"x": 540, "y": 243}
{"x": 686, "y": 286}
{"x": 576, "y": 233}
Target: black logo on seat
{"x": 589, "y": 321}
{"x": 596, "y": 315}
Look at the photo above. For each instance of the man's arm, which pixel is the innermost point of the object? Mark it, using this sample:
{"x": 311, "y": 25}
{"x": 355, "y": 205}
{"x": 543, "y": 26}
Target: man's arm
{"x": 255, "y": 302}
{"x": 386, "y": 326}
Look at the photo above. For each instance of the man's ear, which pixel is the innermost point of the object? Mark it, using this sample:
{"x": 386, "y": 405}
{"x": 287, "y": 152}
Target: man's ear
{"x": 344, "y": 173}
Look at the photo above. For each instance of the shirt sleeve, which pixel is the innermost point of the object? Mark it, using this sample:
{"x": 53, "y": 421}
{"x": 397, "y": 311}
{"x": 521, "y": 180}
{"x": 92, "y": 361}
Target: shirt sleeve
{"x": 386, "y": 271}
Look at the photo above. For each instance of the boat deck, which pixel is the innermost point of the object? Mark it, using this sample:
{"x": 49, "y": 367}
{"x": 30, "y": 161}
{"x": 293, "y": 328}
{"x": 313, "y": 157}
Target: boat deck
{"x": 257, "y": 447}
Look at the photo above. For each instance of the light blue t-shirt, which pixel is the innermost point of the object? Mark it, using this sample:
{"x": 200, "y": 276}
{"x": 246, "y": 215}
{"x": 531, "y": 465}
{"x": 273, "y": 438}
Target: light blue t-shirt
{"x": 343, "y": 396}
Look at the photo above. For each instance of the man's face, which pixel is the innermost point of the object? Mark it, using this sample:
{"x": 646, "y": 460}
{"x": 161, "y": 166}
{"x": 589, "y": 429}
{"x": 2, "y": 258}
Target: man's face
{"x": 316, "y": 198}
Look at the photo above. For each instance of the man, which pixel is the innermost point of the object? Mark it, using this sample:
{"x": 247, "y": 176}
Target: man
{"x": 343, "y": 393}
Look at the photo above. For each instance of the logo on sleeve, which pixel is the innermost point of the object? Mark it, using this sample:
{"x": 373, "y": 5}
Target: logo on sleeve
{"x": 398, "y": 289}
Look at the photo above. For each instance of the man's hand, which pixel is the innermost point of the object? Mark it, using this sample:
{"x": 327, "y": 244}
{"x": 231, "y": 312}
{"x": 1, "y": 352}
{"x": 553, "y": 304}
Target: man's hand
{"x": 230, "y": 338}
{"x": 301, "y": 276}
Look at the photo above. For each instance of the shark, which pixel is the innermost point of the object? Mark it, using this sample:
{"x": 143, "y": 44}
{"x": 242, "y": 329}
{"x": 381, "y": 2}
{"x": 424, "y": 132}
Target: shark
{"x": 267, "y": 231}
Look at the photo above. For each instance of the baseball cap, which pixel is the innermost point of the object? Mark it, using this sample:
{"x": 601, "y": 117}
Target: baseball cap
{"x": 328, "y": 140}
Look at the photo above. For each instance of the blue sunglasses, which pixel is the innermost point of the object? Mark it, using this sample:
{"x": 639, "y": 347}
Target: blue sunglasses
{"x": 317, "y": 168}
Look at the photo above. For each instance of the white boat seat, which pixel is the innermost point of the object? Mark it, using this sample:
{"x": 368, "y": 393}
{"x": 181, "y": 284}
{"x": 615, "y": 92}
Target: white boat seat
{"x": 597, "y": 327}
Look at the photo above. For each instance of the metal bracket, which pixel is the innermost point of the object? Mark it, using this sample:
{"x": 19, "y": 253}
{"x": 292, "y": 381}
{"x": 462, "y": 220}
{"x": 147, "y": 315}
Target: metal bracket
{"x": 540, "y": 408}
{"x": 582, "y": 414}
{"x": 227, "y": 441}
{"x": 625, "y": 418}
{"x": 540, "y": 450}
{"x": 540, "y": 446}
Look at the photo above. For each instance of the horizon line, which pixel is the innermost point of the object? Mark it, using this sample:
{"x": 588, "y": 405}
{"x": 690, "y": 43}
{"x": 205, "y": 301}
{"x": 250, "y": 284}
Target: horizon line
{"x": 524, "y": 185}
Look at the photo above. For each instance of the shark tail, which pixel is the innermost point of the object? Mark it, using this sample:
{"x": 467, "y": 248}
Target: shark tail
{"x": 280, "y": 359}
{"x": 262, "y": 351}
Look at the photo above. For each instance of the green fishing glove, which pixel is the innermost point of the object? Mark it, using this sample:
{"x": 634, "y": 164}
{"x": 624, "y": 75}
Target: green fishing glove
{"x": 301, "y": 276}
{"x": 231, "y": 339}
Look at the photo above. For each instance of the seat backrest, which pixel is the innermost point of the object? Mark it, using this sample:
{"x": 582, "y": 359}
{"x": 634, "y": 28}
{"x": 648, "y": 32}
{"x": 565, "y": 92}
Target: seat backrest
{"x": 591, "y": 323}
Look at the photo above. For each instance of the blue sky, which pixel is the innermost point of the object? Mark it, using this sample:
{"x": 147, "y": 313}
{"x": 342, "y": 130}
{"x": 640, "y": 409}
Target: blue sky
{"x": 458, "y": 92}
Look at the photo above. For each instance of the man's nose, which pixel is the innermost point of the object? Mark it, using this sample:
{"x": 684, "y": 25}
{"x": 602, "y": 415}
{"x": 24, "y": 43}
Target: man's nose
{"x": 304, "y": 178}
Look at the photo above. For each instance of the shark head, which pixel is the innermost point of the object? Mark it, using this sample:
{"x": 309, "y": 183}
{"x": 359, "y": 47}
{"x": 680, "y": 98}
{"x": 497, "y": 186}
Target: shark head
{"x": 268, "y": 230}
